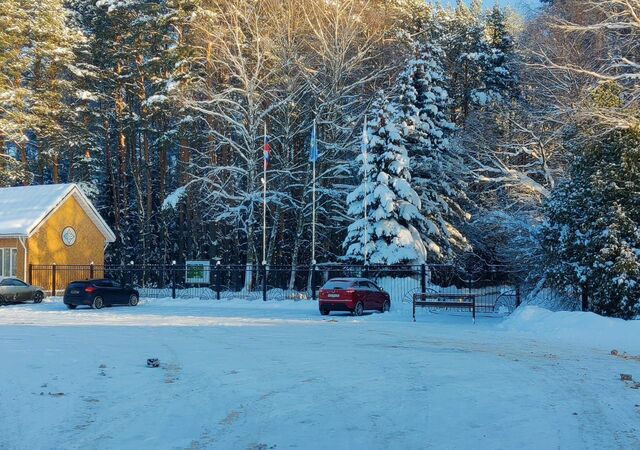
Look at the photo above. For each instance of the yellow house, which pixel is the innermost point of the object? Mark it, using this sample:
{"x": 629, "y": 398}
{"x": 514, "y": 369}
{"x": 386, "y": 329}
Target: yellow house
{"x": 49, "y": 224}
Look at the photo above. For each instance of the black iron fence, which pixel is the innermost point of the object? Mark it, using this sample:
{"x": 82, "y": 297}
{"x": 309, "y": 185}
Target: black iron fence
{"x": 493, "y": 290}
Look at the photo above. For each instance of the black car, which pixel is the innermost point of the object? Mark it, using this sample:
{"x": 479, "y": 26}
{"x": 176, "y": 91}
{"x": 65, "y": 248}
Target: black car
{"x": 99, "y": 293}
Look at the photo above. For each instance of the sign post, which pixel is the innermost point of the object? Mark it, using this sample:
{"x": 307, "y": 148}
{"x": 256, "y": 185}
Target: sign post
{"x": 198, "y": 272}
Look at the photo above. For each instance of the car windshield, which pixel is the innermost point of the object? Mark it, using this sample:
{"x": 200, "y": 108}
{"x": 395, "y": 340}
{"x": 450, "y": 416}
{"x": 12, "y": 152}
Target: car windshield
{"x": 78, "y": 284}
{"x": 337, "y": 284}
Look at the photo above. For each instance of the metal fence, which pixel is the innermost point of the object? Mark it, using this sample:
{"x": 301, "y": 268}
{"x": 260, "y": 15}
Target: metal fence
{"x": 493, "y": 290}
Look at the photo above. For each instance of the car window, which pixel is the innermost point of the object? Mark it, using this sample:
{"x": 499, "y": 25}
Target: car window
{"x": 337, "y": 284}
{"x": 13, "y": 282}
{"x": 103, "y": 283}
{"x": 115, "y": 284}
{"x": 373, "y": 286}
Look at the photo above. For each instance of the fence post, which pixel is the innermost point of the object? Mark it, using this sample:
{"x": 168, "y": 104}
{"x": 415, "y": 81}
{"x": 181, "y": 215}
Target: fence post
{"x": 173, "y": 279}
{"x": 264, "y": 281}
{"x": 518, "y": 296}
{"x": 53, "y": 280}
{"x": 423, "y": 278}
{"x": 218, "y": 276}
{"x": 585, "y": 299}
{"x": 30, "y": 273}
{"x": 313, "y": 282}
{"x": 91, "y": 271}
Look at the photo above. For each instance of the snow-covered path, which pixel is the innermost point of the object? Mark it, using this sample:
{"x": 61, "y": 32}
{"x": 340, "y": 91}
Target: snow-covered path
{"x": 249, "y": 375}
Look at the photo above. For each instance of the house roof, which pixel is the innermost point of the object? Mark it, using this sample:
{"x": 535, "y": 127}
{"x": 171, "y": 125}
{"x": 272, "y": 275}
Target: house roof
{"x": 24, "y": 208}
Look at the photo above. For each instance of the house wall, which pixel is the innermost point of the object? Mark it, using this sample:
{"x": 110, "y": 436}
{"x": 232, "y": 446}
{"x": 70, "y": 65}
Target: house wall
{"x": 46, "y": 245}
{"x": 15, "y": 243}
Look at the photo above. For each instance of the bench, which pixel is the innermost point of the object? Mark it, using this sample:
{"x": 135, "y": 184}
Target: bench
{"x": 465, "y": 301}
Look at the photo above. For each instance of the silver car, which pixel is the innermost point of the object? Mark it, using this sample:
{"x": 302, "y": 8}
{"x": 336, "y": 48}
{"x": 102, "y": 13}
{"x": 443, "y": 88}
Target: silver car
{"x": 13, "y": 290}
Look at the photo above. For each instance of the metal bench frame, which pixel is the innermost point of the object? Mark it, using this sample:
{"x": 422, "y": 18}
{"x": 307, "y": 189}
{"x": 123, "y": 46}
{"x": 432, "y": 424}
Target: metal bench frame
{"x": 466, "y": 301}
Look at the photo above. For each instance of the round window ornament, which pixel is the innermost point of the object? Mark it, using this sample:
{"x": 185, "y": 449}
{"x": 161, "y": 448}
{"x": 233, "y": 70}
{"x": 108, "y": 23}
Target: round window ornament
{"x": 69, "y": 236}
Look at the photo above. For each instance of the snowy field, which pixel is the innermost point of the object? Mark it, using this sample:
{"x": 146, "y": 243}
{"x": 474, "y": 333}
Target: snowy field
{"x": 250, "y": 375}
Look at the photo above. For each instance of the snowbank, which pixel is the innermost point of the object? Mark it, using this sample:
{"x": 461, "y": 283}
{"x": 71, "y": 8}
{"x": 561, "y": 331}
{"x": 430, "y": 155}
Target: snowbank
{"x": 577, "y": 327}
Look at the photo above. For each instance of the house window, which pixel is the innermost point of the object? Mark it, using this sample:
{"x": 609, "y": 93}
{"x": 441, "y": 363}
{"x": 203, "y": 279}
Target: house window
{"x": 8, "y": 262}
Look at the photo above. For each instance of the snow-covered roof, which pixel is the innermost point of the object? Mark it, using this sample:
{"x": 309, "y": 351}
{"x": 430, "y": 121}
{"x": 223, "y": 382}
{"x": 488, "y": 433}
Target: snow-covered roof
{"x": 23, "y": 209}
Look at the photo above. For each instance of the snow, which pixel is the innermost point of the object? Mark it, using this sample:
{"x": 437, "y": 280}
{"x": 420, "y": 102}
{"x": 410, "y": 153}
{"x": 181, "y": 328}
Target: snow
{"x": 577, "y": 327}
{"x": 112, "y": 5}
{"x": 255, "y": 375}
{"x": 24, "y": 207}
{"x": 174, "y": 198}
{"x": 86, "y": 95}
{"x": 155, "y": 99}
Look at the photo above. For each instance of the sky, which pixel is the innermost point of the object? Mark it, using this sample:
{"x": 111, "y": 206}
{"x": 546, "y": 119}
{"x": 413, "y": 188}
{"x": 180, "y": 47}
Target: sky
{"x": 520, "y": 5}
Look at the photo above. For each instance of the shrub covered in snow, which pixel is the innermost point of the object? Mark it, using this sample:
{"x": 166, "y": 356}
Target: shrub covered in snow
{"x": 592, "y": 234}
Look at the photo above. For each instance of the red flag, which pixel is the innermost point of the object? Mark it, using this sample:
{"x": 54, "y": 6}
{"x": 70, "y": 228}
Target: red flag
{"x": 267, "y": 152}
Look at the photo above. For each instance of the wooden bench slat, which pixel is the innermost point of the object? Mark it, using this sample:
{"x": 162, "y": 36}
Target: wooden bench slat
{"x": 467, "y": 301}
{"x": 446, "y": 304}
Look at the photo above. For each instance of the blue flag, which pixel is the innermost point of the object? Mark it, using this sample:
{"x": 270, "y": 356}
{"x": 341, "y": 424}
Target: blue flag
{"x": 365, "y": 139}
{"x": 314, "y": 153}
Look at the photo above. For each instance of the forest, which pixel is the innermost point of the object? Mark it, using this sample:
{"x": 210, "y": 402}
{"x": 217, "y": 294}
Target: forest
{"x": 470, "y": 134}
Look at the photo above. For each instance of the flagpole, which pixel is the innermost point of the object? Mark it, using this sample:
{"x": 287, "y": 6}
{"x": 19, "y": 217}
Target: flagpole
{"x": 264, "y": 199}
{"x": 313, "y": 214}
{"x": 365, "y": 152}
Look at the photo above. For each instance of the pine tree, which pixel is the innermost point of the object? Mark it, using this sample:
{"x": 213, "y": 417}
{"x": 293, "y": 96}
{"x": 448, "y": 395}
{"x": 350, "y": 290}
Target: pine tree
{"x": 14, "y": 38}
{"x": 438, "y": 170}
{"x": 393, "y": 207}
{"x": 500, "y": 81}
{"x": 134, "y": 66}
{"x": 591, "y": 237}
{"x": 37, "y": 45}
{"x": 468, "y": 54}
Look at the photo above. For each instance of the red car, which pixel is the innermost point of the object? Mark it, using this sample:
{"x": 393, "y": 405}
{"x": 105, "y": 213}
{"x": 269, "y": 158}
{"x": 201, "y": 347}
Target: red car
{"x": 355, "y": 295}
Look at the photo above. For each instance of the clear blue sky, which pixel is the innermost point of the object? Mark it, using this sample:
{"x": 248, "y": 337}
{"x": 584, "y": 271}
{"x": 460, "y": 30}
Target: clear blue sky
{"x": 520, "y": 5}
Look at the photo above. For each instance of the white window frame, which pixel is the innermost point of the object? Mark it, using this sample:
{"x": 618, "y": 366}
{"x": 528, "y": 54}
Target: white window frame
{"x": 13, "y": 263}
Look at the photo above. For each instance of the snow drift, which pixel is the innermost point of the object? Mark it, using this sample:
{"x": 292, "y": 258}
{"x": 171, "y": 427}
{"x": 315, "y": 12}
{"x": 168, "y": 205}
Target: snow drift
{"x": 577, "y": 327}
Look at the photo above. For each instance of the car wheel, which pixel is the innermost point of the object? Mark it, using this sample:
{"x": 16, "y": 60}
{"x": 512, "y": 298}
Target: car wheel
{"x": 325, "y": 312}
{"x": 133, "y": 300}
{"x": 72, "y": 306}
{"x": 37, "y": 298}
{"x": 386, "y": 306}
{"x": 98, "y": 303}
{"x": 359, "y": 309}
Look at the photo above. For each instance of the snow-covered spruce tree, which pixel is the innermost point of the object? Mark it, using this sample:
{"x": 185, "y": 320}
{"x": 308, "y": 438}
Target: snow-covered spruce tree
{"x": 424, "y": 108}
{"x": 393, "y": 207}
{"x": 591, "y": 237}
{"x": 499, "y": 78}
{"x": 467, "y": 54}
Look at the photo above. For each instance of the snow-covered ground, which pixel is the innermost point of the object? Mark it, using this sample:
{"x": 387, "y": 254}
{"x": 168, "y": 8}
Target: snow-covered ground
{"x": 277, "y": 375}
